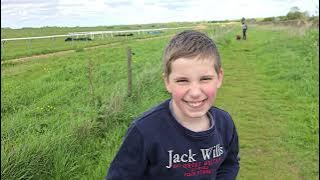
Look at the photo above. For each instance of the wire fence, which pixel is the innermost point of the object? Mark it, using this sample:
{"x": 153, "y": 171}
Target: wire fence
{"x": 12, "y": 48}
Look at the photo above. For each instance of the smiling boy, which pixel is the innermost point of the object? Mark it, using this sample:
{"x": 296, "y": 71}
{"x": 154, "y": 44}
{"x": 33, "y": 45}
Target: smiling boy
{"x": 184, "y": 137}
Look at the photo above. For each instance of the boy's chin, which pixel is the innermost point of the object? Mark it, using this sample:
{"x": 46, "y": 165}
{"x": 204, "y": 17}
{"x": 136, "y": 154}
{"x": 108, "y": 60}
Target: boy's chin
{"x": 196, "y": 115}
{"x": 198, "y": 112}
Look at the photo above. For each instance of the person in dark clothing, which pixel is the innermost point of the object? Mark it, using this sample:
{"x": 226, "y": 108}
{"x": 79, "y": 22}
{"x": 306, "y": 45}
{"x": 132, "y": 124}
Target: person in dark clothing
{"x": 185, "y": 137}
{"x": 244, "y": 30}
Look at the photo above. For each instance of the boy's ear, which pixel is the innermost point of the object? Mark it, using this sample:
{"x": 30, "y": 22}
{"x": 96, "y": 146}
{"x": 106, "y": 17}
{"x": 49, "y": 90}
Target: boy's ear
{"x": 166, "y": 82}
{"x": 220, "y": 78}
{"x": 163, "y": 76}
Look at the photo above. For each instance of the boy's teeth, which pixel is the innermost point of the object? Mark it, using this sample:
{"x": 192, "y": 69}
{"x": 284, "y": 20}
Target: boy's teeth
{"x": 194, "y": 104}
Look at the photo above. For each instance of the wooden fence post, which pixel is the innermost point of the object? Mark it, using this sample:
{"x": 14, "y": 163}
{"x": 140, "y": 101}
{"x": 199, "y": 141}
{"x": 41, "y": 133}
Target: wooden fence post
{"x": 129, "y": 55}
{"x": 2, "y": 49}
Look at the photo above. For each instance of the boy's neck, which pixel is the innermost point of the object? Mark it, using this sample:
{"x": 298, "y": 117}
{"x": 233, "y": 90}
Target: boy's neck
{"x": 194, "y": 124}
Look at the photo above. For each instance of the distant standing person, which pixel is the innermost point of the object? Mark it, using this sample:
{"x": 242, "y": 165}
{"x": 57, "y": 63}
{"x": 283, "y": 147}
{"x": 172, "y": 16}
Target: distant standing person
{"x": 244, "y": 30}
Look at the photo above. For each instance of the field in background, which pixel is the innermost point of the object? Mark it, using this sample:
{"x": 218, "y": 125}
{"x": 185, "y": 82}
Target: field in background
{"x": 47, "y": 31}
{"x": 25, "y": 48}
{"x": 55, "y": 124}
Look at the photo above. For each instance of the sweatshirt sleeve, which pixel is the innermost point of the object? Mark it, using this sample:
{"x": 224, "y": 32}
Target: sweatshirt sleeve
{"x": 230, "y": 167}
{"x": 130, "y": 162}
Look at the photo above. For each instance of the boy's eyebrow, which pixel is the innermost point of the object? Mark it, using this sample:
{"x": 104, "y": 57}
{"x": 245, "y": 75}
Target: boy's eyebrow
{"x": 176, "y": 78}
{"x": 208, "y": 76}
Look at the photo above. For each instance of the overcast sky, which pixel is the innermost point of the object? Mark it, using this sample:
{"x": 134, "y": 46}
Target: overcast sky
{"x": 38, "y": 13}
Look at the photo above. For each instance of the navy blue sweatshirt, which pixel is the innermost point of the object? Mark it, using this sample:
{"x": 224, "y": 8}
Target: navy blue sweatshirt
{"x": 157, "y": 147}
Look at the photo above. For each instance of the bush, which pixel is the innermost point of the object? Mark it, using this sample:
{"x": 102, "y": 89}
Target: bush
{"x": 268, "y": 19}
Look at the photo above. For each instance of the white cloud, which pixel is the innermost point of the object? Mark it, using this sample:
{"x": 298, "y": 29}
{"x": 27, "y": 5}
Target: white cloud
{"x": 21, "y": 13}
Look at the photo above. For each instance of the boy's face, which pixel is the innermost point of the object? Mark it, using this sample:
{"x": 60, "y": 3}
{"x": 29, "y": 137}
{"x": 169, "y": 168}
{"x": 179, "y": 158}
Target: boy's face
{"x": 193, "y": 84}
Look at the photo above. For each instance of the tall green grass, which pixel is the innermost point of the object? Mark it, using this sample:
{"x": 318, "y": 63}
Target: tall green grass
{"x": 293, "y": 68}
{"x": 25, "y": 48}
{"x": 53, "y": 125}
{"x": 271, "y": 88}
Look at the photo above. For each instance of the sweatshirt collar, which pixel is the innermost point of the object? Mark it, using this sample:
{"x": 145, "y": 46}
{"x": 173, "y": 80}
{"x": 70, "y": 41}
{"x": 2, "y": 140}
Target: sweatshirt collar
{"x": 188, "y": 131}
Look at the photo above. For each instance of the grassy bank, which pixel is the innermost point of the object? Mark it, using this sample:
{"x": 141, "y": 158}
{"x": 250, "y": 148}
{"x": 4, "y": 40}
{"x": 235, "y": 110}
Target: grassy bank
{"x": 271, "y": 89}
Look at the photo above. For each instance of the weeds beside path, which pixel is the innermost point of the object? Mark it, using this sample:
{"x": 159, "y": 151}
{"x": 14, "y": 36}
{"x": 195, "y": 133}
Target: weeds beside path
{"x": 265, "y": 111}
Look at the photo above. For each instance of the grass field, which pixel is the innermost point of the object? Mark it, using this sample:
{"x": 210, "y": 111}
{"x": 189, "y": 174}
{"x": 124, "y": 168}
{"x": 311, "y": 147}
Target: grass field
{"x": 25, "y": 48}
{"x": 47, "y": 31}
{"x": 64, "y": 117}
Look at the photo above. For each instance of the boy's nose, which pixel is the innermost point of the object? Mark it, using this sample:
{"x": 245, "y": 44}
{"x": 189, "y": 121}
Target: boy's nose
{"x": 195, "y": 91}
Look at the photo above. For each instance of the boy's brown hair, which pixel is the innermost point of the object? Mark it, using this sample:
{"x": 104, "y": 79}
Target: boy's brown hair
{"x": 190, "y": 44}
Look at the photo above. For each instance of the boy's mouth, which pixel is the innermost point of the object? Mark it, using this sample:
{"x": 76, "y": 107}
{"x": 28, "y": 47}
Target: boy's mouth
{"x": 195, "y": 104}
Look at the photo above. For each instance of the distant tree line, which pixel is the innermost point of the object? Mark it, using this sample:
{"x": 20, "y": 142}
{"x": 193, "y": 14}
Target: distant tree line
{"x": 293, "y": 14}
{"x": 222, "y": 21}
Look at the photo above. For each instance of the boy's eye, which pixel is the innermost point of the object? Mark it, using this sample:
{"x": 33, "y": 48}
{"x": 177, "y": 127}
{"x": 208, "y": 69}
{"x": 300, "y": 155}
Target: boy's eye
{"x": 206, "y": 79}
{"x": 181, "y": 80}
